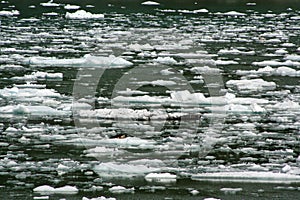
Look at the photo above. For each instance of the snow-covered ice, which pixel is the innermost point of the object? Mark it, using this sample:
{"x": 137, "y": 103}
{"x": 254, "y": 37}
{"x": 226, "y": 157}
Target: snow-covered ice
{"x": 82, "y": 14}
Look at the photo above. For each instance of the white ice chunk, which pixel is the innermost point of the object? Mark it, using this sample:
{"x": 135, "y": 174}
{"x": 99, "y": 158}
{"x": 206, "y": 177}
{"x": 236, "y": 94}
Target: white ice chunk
{"x": 71, "y": 7}
{"x": 150, "y": 3}
{"x": 232, "y": 13}
{"x": 140, "y": 47}
{"x": 252, "y": 84}
{"x": 165, "y": 60}
{"x": 82, "y": 14}
{"x": 231, "y": 190}
{"x": 33, "y": 110}
{"x": 161, "y": 177}
{"x": 120, "y": 190}
{"x": 86, "y": 61}
{"x": 235, "y": 52}
{"x": 203, "y": 10}
{"x": 123, "y": 170}
{"x": 99, "y": 198}
{"x": 249, "y": 177}
{"x": 9, "y": 13}
{"x": 276, "y": 63}
{"x": 40, "y": 75}
{"x": 293, "y": 57}
{"x": 50, "y": 4}
{"x": 46, "y": 189}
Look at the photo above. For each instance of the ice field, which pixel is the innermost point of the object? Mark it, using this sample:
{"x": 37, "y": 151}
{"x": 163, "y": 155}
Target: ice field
{"x": 149, "y": 100}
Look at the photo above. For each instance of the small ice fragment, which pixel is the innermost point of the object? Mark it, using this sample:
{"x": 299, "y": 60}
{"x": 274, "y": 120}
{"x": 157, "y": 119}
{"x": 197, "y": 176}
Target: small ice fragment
{"x": 71, "y": 7}
{"x": 194, "y": 192}
{"x": 41, "y": 197}
{"x": 99, "y": 198}
{"x": 286, "y": 168}
{"x": 150, "y": 3}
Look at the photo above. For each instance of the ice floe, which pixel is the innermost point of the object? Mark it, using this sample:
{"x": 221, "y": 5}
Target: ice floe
{"x": 39, "y": 76}
{"x": 249, "y": 177}
{"x": 150, "y": 3}
{"x": 161, "y": 177}
{"x": 120, "y": 190}
{"x": 123, "y": 170}
{"x": 86, "y": 61}
{"x": 50, "y": 4}
{"x": 99, "y": 198}
{"x": 251, "y": 85}
{"x": 46, "y": 189}
{"x": 9, "y": 13}
{"x": 82, "y": 14}
{"x": 71, "y": 7}
{"x": 274, "y": 63}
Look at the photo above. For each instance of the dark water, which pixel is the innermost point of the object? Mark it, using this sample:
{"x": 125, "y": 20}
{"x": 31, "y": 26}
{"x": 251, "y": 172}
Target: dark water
{"x": 52, "y": 145}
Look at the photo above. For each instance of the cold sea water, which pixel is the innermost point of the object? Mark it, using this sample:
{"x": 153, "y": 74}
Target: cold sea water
{"x": 145, "y": 100}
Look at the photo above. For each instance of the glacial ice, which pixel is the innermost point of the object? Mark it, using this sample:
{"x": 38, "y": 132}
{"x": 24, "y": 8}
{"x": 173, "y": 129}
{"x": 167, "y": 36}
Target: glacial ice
{"x": 86, "y": 61}
{"x": 150, "y": 3}
{"x": 82, "y": 14}
{"x": 123, "y": 170}
{"x": 249, "y": 177}
{"x": 161, "y": 177}
{"x": 251, "y": 85}
{"x": 71, "y": 7}
{"x": 120, "y": 190}
{"x": 46, "y": 189}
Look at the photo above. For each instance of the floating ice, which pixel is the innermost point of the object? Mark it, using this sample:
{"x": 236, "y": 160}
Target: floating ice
{"x": 121, "y": 113}
{"x": 120, "y": 190}
{"x": 71, "y": 7}
{"x": 232, "y": 13}
{"x": 269, "y": 71}
{"x": 32, "y": 110}
{"x": 251, "y": 85}
{"x": 123, "y": 170}
{"x": 235, "y": 52}
{"x": 46, "y": 189}
{"x": 193, "y": 11}
{"x": 194, "y": 192}
{"x": 226, "y": 62}
{"x": 16, "y": 92}
{"x": 40, "y": 75}
{"x": 9, "y": 13}
{"x": 158, "y": 82}
{"x": 231, "y": 190}
{"x": 140, "y": 47}
{"x": 82, "y": 14}
{"x": 293, "y": 57}
{"x": 161, "y": 177}
{"x": 50, "y": 4}
{"x": 249, "y": 177}
{"x": 130, "y": 92}
{"x": 86, "y": 61}
{"x": 99, "y": 198}
{"x": 276, "y": 63}
{"x": 150, "y": 3}
{"x": 165, "y": 60}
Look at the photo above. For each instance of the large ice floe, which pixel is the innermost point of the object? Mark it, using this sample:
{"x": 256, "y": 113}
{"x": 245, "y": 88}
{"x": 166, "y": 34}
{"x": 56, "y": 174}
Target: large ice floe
{"x": 86, "y": 61}
{"x": 249, "y": 177}
{"x": 46, "y": 189}
{"x": 82, "y": 14}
